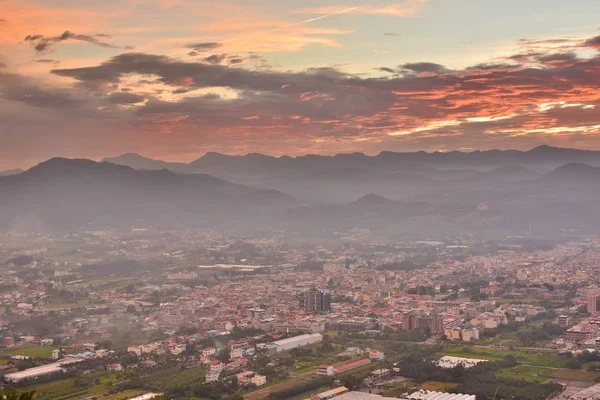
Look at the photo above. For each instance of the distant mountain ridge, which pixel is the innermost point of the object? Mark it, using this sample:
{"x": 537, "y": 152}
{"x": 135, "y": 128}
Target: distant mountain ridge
{"x": 554, "y": 156}
{"x": 305, "y": 195}
{"x": 9, "y": 172}
{"x": 64, "y": 193}
{"x": 347, "y": 177}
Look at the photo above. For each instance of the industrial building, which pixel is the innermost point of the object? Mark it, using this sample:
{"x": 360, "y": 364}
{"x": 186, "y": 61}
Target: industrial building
{"x": 420, "y": 395}
{"x": 294, "y": 342}
{"x": 42, "y": 370}
{"x": 330, "y": 394}
{"x": 34, "y": 372}
{"x": 429, "y": 395}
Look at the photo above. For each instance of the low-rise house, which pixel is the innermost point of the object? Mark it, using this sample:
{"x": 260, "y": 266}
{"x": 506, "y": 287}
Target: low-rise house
{"x": 116, "y": 367}
{"x": 212, "y": 376}
{"x": 259, "y": 380}
{"x": 137, "y": 350}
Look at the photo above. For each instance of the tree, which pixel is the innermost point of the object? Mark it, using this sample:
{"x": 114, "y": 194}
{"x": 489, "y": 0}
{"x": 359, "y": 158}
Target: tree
{"x": 573, "y": 364}
{"x": 351, "y": 382}
{"x": 234, "y": 382}
{"x": 224, "y": 355}
{"x": 105, "y": 344}
{"x": 12, "y": 395}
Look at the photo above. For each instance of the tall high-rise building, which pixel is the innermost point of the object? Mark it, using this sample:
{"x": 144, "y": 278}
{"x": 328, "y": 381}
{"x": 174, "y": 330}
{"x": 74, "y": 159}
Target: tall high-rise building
{"x": 593, "y": 299}
{"x": 317, "y": 301}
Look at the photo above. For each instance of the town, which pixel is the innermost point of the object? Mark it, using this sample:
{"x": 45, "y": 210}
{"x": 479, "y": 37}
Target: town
{"x": 207, "y": 315}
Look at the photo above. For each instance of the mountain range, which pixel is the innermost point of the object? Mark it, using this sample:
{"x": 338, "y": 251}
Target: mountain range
{"x": 347, "y": 177}
{"x": 395, "y": 194}
{"x": 69, "y": 194}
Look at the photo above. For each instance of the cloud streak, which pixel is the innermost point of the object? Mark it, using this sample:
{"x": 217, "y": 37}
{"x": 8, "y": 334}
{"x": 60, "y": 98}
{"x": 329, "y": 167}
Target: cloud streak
{"x": 283, "y": 27}
{"x": 43, "y": 44}
{"x": 407, "y": 9}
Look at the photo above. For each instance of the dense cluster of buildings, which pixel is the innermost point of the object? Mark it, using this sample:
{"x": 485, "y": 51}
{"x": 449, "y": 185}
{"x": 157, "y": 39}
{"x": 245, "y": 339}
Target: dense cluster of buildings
{"x": 261, "y": 285}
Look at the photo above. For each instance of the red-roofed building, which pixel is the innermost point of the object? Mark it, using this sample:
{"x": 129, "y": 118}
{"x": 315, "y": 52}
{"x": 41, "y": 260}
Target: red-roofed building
{"x": 326, "y": 370}
{"x": 352, "y": 365}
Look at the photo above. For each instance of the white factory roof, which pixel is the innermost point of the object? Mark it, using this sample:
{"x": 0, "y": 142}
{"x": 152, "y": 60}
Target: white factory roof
{"x": 429, "y": 395}
{"x": 424, "y": 395}
{"x": 35, "y": 371}
{"x": 297, "y": 338}
{"x": 362, "y": 396}
{"x": 42, "y": 370}
{"x": 591, "y": 393}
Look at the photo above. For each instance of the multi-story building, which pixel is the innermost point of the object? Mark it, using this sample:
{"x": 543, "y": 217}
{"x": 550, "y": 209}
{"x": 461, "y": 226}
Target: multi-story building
{"x": 563, "y": 321}
{"x": 317, "y": 301}
{"x": 593, "y": 298}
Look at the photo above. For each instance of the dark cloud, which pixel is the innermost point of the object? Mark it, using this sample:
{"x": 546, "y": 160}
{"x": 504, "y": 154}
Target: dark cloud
{"x": 47, "y": 61}
{"x": 593, "y": 42}
{"x": 103, "y": 35}
{"x": 16, "y": 88}
{"x": 42, "y": 44}
{"x": 2, "y": 20}
{"x": 545, "y": 41}
{"x": 424, "y": 67}
{"x": 203, "y": 47}
{"x": 215, "y": 58}
{"x": 386, "y": 69}
{"x": 524, "y": 57}
{"x": 557, "y": 57}
{"x": 129, "y": 48}
{"x": 392, "y": 34}
{"x": 181, "y": 90}
{"x": 491, "y": 66}
{"x": 236, "y": 60}
{"x": 124, "y": 98}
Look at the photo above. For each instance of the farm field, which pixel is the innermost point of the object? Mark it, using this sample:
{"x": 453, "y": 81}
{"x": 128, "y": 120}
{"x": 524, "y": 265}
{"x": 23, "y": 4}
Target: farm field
{"x": 30, "y": 351}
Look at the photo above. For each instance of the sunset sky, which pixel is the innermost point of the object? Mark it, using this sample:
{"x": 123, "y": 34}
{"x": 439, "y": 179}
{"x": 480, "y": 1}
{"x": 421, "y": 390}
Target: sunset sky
{"x": 174, "y": 79}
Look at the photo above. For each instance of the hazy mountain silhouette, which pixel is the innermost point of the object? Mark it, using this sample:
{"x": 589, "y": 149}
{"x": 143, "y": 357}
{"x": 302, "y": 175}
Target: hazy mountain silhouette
{"x": 346, "y": 191}
{"x": 11, "y": 172}
{"x": 347, "y": 177}
{"x": 63, "y": 193}
{"x": 574, "y": 173}
{"x": 136, "y": 161}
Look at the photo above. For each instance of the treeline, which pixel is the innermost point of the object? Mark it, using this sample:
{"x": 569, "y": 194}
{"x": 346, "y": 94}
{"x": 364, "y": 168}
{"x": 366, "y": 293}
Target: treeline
{"x": 403, "y": 336}
{"x": 545, "y": 332}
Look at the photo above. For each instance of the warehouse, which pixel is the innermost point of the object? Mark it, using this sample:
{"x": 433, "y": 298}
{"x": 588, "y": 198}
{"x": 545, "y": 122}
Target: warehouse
{"x": 43, "y": 370}
{"x": 34, "y": 372}
{"x": 429, "y": 395}
{"x": 294, "y": 342}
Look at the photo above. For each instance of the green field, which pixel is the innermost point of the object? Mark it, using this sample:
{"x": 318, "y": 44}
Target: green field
{"x": 526, "y": 373}
{"x": 30, "y": 351}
